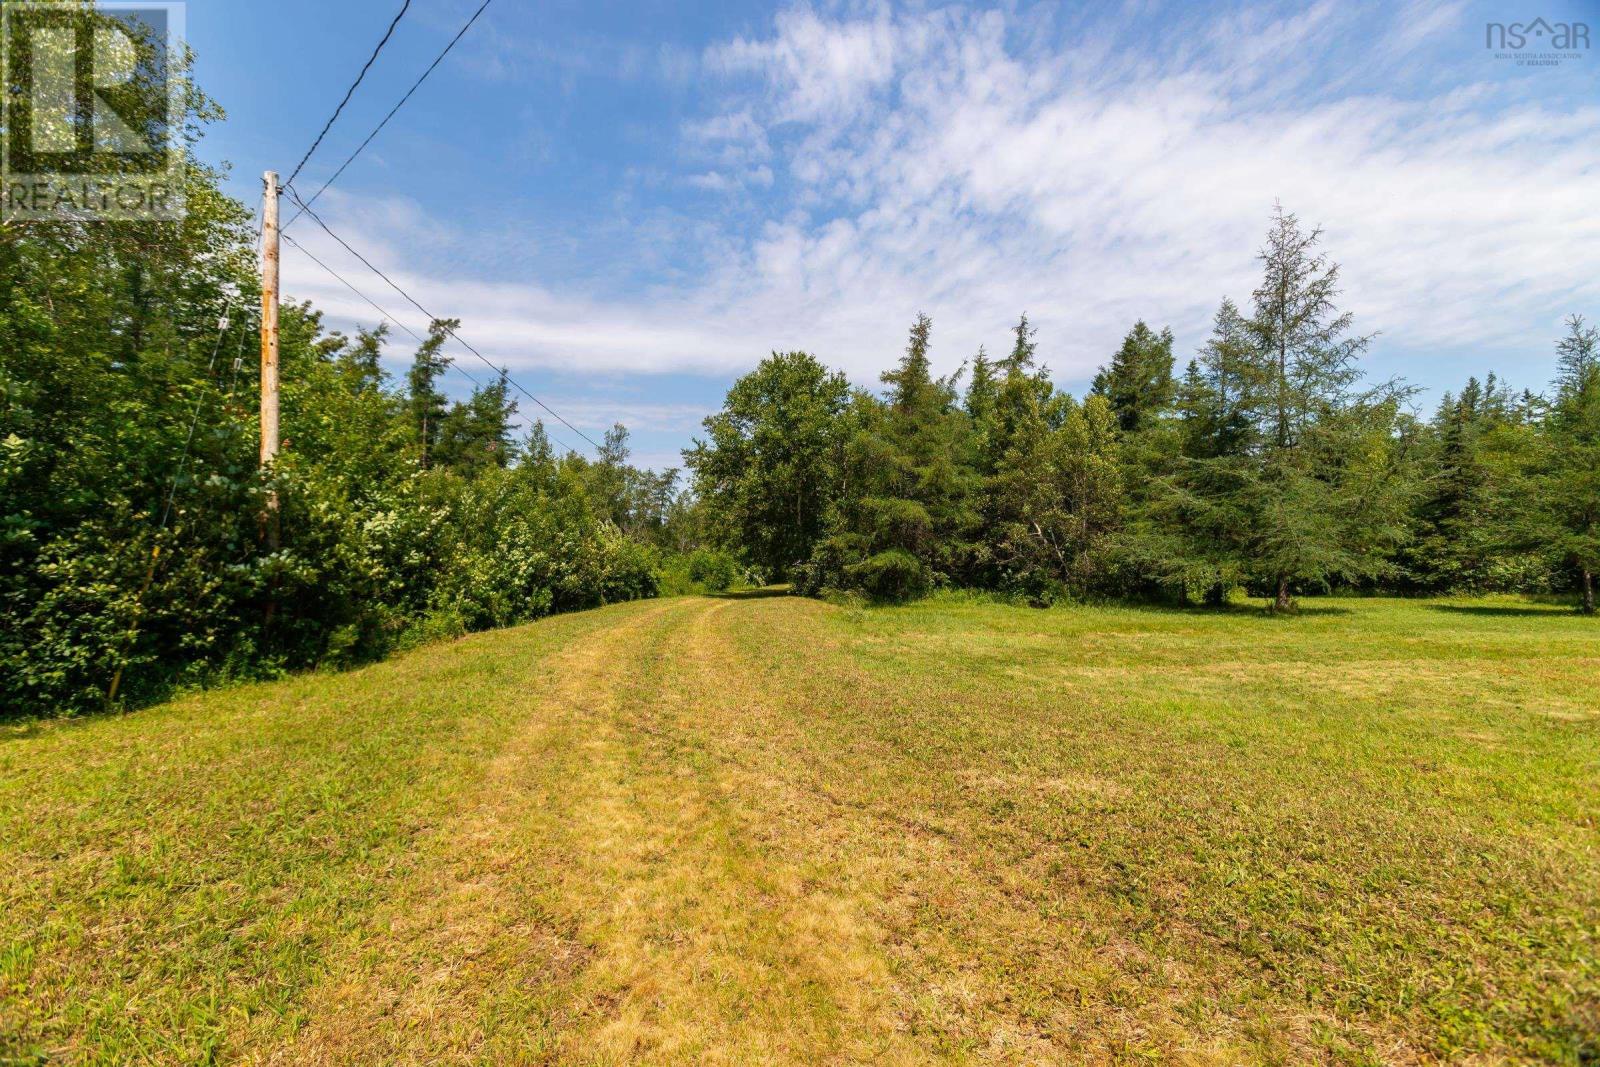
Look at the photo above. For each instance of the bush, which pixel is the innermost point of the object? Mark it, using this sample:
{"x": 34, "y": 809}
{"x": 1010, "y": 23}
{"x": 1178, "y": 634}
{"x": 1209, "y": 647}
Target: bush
{"x": 714, "y": 571}
{"x": 701, "y": 571}
{"x": 894, "y": 575}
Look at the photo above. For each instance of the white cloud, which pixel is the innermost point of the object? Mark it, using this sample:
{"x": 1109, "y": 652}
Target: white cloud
{"x": 819, "y": 67}
{"x": 943, "y": 161}
{"x": 595, "y": 415}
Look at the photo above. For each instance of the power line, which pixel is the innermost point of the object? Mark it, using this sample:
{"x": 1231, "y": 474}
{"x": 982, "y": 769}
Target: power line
{"x": 434, "y": 318}
{"x": 350, "y": 286}
{"x": 390, "y": 317}
{"x": 392, "y": 111}
{"x": 351, "y": 91}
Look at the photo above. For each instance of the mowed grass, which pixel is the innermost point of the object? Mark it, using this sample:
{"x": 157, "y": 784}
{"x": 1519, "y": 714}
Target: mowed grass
{"x": 766, "y": 829}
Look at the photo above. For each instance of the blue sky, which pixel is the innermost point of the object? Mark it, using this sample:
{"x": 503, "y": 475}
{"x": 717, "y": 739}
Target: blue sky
{"x": 631, "y": 204}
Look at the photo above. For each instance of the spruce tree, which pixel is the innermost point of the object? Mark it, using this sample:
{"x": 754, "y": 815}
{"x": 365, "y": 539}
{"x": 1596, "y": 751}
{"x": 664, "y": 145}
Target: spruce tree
{"x": 983, "y": 393}
{"x": 476, "y": 435}
{"x": 361, "y": 360}
{"x": 1220, "y": 395}
{"x": 905, "y": 518}
{"x": 1293, "y": 476}
{"x": 1188, "y": 520}
{"x": 1056, "y": 499}
{"x": 425, "y": 403}
{"x": 1138, "y": 382}
{"x": 1567, "y": 487}
{"x": 1459, "y": 542}
{"x": 1023, "y": 349}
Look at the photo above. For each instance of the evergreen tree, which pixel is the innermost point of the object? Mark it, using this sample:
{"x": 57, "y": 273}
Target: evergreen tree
{"x": 983, "y": 393}
{"x": 903, "y": 522}
{"x": 1023, "y": 349}
{"x": 476, "y": 435}
{"x": 361, "y": 360}
{"x": 1566, "y": 488}
{"x": 606, "y": 479}
{"x": 1291, "y": 476}
{"x": 1057, "y": 500}
{"x": 1187, "y": 520}
{"x": 1325, "y": 497}
{"x": 1220, "y": 395}
{"x": 425, "y": 402}
{"x": 1308, "y": 360}
{"x": 1460, "y": 541}
{"x": 1024, "y": 394}
{"x": 1138, "y": 384}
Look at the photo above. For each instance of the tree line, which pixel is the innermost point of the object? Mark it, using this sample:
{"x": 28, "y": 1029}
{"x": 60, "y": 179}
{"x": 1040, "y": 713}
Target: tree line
{"x": 1269, "y": 465}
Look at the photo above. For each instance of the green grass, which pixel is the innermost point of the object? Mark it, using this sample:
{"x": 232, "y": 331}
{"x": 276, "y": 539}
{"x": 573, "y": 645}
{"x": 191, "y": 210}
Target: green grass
{"x": 765, "y": 829}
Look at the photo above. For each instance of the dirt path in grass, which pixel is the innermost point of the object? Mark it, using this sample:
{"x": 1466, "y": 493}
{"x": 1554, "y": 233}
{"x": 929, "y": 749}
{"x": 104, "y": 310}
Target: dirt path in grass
{"x": 598, "y": 896}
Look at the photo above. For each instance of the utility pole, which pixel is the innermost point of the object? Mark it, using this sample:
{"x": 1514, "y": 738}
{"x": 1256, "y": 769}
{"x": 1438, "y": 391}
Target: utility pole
{"x": 269, "y": 347}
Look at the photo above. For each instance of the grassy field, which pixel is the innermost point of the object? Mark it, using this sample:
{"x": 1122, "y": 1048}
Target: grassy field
{"x": 755, "y": 830}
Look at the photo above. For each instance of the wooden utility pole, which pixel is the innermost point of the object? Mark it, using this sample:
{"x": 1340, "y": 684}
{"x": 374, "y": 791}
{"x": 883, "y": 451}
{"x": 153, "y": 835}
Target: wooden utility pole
{"x": 269, "y": 347}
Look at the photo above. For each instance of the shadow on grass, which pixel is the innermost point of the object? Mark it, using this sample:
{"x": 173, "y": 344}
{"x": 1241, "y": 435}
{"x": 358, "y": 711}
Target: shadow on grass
{"x": 752, "y": 594}
{"x": 23, "y": 729}
{"x": 1305, "y": 608}
{"x": 1249, "y": 610}
{"x": 1490, "y": 611}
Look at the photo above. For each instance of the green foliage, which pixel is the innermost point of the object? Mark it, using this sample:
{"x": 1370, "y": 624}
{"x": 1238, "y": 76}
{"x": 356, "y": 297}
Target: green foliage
{"x": 1286, "y": 474}
{"x": 714, "y": 571}
{"x": 1554, "y": 507}
{"x": 772, "y": 460}
{"x": 704, "y": 570}
{"x": 1471, "y": 455}
{"x": 1055, "y": 501}
{"x": 909, "y": 494}
{"x": 1271, "y": 466}
{"x": 129, "y": 546}
{"x": 425, "y": 403}
{"x": 892, "y": 575}
{"x": 1138, "y": 384}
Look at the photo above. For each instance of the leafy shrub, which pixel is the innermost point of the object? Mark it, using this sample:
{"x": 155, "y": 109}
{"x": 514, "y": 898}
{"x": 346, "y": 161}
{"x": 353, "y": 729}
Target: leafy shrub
{"x": 893, "y": 575}
{"x": 713, "y": 570}
{"x": 703, "y": 570}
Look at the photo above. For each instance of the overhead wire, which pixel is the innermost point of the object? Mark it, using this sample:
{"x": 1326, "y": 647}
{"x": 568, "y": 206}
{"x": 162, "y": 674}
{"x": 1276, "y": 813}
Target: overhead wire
{"x": 391, "y": 317}
{"x": 362, "y": 147}
{"x": 404, "y": 7}
{"x": 434, "y": 318}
